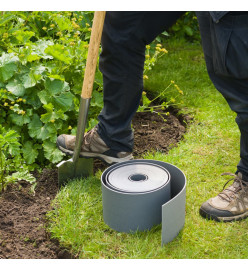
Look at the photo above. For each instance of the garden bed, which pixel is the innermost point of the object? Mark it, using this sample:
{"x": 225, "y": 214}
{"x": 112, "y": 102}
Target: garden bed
{"x": 23, "y": 214}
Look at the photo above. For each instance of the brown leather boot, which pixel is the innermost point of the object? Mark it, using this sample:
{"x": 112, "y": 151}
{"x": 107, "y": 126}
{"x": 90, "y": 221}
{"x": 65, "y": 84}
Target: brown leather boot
{"x": 93, "y": 147}
{"x": 230, "y": 204}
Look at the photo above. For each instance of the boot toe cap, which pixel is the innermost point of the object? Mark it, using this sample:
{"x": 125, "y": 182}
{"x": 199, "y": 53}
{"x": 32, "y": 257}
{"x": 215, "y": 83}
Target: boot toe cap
{"x": 210, "y": 212}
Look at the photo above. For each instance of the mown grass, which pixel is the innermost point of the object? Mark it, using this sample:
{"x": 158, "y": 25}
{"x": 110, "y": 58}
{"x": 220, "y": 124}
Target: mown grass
{"x": 209, "y": 148}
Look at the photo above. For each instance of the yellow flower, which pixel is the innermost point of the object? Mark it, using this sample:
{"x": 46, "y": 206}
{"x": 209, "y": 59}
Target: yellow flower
{"x": 72, "y": 43}
{"x": 164, "y": 50}
{"x": 44, "y": 28}
{"x": 159, "y": 45}
{"x": 143, "y": 93}
{"x": 21, "y": 112}
{"x": 148, "y": 47}
{"x": 172, "y": 82}
{"x": 6, "y": 104}
{"x": 147, "y": 56}
{"x": 52, "y": 25}
{"x": 172, "y": 100}
{"x": 145, "y": 77}
{"x": 69, "y": 127}
{"x": 52, "y": 121}
{"x": 87, "y": 24}
{"x": 76, "y": 26}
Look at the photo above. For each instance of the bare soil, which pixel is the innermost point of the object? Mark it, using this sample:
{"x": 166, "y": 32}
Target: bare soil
{"x": 23, "y": 214}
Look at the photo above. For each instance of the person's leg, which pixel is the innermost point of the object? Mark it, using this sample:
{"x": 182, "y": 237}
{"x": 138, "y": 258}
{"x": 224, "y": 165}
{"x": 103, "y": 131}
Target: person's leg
{"x": 226, "y": 54}
{"x": 225, "y": 50}
{"x": 125, "y": 35}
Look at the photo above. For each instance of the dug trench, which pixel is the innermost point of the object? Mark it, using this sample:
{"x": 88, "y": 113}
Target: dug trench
{"x": 23, "y": 214}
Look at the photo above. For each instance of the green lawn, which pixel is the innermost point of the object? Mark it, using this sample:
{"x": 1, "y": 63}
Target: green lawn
{"x": 209, "y": 148}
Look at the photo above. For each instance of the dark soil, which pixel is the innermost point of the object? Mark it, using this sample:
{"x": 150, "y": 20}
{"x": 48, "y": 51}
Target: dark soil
{"x": 23, "y": 214}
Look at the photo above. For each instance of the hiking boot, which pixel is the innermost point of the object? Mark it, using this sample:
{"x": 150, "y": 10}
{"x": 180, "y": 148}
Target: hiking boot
{"x": 93, "y": 147}
{"x": 230, "y": 204}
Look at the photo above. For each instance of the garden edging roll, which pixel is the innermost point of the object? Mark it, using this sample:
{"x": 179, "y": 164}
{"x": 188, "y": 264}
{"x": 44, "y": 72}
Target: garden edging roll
{"x": 139, "y": 194}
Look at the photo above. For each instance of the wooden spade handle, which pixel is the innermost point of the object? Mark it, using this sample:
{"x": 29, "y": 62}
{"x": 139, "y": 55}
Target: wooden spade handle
{"x": 91, "y": 62}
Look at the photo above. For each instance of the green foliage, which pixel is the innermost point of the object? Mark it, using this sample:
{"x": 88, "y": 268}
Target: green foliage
{"x": 186, "y": 27}
{"x": 42, "y": 61}
{"x": 156, "y": 105}
{"x": 10, "y": 159}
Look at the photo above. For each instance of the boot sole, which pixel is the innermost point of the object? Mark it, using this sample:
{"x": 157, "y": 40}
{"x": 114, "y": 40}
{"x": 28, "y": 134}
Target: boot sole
{"x": 107, "y": 159}
{"x": 223, "y": 219}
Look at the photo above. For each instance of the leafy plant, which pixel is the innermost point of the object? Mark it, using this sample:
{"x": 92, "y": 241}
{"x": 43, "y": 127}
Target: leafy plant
{"x": 186, "y": 27}
{"x": 42, "y": 61}
{"x": 41, "y": 72}
{"x": 10, "y": 159}
{"x": 157, "y": 106}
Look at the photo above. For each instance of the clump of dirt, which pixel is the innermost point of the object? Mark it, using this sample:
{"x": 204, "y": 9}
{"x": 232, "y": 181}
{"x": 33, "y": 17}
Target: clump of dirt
{"x": 23, "y": 214}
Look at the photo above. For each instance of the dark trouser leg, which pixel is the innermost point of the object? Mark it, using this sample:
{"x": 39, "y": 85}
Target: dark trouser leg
{"x": 125, "y": 35}
{"x": 226, "y": 54}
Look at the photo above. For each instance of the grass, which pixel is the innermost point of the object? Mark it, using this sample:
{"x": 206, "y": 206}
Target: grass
{"x": 209, "y": 148}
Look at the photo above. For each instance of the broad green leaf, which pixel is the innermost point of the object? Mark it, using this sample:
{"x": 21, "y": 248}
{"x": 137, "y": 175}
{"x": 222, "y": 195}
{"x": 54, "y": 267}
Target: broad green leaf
{"x": 32, "y": 98}
{"x": 51, "y": 152}
{"x": 40, "y": 46}
{"x": 48, "y": 107}
{"x": 97, "y": 99}
{"x": 37, "y": 130}
{"x": 32, "y": 57}
{"x": 39, "y": 69}
{"x": 188, "y": 30}
{"x": 29, "y": 80}
{"x": 44, "y": 97}
{"x": 63, "y": 23}
{"x": 23, "y": 36}
{"x": 19, "y": 120}
{"x": 59, "y": 52}
{"x": 30, "y": 153}
{"x": 8, "y": 66}
{"x": 16, "y": 87}
{"x": 55, "y": 86}
{"x": 64, "y": 101}
{"x": 59, "y": 77}
{"x": 52, "y": 114}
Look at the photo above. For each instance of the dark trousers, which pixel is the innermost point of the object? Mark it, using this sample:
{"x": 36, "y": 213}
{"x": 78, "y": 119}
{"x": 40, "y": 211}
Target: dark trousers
{"x": 124, "y": 39}
{"x": 125, "y": 35}
{"x": 225, "y": 46}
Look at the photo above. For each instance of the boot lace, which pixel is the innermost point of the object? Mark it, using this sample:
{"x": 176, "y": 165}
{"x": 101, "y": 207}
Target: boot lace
{"x": 229, "y": 193}
{"x": 88, "y": 137}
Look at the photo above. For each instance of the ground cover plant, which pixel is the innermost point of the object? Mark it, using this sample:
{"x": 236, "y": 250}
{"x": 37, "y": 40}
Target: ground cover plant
{"x": 209, "y": 148}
